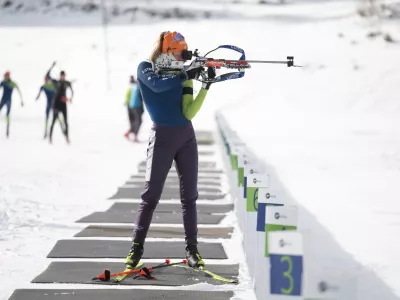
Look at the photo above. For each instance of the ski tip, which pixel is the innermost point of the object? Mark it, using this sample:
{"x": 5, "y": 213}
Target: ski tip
{"x": 167, "y": 261}
{"x": 184, "y": 261}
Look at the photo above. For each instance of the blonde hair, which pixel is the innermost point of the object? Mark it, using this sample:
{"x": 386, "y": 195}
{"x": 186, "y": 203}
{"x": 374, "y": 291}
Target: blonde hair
{"x": 158, "y": 47}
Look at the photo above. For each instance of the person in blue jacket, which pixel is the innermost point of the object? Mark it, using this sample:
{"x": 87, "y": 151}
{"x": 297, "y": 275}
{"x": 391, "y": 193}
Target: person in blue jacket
{"x": 136, "y": 108}
{"x": 49, "y": 89}
{"x": 134, "y": 103}
{"x": 8, "y": 86}
{"x": 168, "y": 97}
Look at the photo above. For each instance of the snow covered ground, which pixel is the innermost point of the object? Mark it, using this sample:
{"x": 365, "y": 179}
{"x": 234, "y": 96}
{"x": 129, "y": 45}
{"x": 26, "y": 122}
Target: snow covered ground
{"x": 330, "y": 130}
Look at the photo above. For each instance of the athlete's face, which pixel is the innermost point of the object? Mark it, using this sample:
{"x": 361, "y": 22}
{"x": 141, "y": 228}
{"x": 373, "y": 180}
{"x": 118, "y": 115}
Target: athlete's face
{"x": 178, "y": 56}
{"x": 6, "y": 77}
{"x": 62, "y": 77}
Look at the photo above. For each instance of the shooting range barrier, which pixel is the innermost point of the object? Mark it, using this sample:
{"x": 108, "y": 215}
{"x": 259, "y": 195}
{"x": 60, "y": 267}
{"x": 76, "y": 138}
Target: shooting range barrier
{"x": 274, "y": 244}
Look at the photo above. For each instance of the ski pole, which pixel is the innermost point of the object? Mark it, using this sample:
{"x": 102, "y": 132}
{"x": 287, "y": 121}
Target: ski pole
{"x": 106, "y": 275}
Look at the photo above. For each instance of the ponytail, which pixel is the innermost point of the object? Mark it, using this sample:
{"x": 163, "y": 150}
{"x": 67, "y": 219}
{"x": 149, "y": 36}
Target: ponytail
{"x": 158, "y": 47}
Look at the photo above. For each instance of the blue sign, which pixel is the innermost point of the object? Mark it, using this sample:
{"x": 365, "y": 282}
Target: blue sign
{"x": 286, "y": 274}
{"x": 245, "y": 188}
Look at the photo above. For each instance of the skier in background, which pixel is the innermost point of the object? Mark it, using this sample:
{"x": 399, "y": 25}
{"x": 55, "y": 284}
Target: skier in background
{"x": 134, "y": 102}
{"x": 49, "y": 89}
{"x": 60, "y": 101}
{"x": 169, "y": 100}
{"x": 131, "y": 117}
{"x": 8, "y": 86}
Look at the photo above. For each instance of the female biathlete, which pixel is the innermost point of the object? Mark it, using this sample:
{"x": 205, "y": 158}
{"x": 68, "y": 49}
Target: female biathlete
{"x": 168, "y": 97}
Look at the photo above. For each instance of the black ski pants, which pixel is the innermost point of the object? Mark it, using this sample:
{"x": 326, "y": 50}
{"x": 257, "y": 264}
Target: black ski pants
{"x": 168, "y": 144}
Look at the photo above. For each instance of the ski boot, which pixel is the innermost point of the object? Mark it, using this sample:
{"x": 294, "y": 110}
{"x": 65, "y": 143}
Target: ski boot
{"x": 193, "y": 257}
{"x": 134, "y": 256}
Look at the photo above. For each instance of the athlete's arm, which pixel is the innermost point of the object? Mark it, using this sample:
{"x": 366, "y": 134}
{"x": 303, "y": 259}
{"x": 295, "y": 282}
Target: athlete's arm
{"x": 41, "y": 89}
{"x": 20, "y": 94}
{"x": 49, "y": 71}
{"x": 128, "y": 96}
{"x": 191, "y": 106}
{"x": 72, "y": 91}
{"x": 157, "y": 84}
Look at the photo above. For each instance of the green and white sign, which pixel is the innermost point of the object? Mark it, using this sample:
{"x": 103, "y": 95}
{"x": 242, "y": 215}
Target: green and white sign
{"x": 271, "y": 196}
{"x": 236, "y": 152}
{"x": 254, "y": 182}
{"x": 279, "y": 218}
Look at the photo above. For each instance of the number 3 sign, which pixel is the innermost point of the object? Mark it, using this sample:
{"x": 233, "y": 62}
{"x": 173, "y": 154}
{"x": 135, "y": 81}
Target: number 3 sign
{"x": 286, "y": 263}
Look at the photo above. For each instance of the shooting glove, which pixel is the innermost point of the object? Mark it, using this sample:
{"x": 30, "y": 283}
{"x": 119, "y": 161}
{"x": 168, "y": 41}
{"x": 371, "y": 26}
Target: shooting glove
{"x": 194, "y": 73}
{"x": 209, "y": 75}
{"x": 194, "y": 70}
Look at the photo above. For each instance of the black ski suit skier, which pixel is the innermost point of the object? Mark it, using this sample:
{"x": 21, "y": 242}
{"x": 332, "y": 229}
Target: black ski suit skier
{"x": 60, "y": 101}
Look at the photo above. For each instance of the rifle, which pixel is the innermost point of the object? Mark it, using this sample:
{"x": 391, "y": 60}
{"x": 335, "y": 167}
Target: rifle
{"x": 212, "y": 64}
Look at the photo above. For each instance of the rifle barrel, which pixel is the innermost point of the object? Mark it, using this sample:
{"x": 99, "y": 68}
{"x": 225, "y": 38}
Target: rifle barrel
{"x": 263, "y": 61}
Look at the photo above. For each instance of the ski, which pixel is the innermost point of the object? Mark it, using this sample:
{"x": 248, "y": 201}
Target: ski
{"x": 211, "y": 274}
{"x": 216, "y": 276}
{"x": 127, "y": 272}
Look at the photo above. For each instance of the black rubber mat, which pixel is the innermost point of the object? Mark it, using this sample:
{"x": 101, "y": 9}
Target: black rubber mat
{"x": 206, "y": 152}
{"x": 175, "y": 189}
{"x": 175, "y": 181}
{"x": 120, "y": 249}
{"x": 202, "y": 164}
{"x": 135, "y": 193}
{"x": 204, "y": 172}
{"x": 159, "y": 218}
{"x": 142, "y": 169}
{"x": 107, "y": 294}
{"x": 154, "y": 232}
{"x": 204, "y": 134}
{"x": 173, "y": 207}
{"x": 204, "y": 141}
{"x": 174, "y": 176}
{"x": 83, "y": 272}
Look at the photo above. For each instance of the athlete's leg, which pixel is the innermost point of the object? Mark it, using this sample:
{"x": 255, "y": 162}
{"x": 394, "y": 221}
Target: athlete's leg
{"x": 160, "y": 155}
{"x": 55, "y": 117}
{"x": 8, "y": 105}
{"x": 186, "y": 161}
{"x": 65, "y": 117}
{"x": 46, "y": 124}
